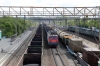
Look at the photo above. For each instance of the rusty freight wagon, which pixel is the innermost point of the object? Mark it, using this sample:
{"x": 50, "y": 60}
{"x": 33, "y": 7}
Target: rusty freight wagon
{"x": 91, "y": 55}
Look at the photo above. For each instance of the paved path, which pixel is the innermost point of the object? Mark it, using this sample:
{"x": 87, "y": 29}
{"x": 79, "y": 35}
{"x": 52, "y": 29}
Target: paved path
{"x": 9, "y": 49}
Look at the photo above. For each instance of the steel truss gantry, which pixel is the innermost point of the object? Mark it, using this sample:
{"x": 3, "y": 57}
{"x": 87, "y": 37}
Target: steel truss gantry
{"x": 48, "y": 11}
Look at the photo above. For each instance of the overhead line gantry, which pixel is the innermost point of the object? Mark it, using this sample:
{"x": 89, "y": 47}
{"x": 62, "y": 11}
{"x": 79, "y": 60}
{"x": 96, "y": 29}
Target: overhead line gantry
{"x": 48, "y": 11}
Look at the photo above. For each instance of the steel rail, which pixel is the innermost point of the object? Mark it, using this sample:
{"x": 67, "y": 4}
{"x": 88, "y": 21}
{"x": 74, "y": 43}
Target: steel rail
{"x": 54, "y": 57}
{"x": 57, "y": 55}
{"x": 60, "y": 57}
{"x": 24, "y": 48}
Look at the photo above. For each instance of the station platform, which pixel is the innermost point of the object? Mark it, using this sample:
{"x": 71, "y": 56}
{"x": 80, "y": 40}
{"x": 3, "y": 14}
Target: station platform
{"x": 7, "y": 48}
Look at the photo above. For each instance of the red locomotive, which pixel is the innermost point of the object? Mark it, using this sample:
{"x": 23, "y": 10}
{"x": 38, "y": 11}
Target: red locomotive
{"x": 52, "y": 39}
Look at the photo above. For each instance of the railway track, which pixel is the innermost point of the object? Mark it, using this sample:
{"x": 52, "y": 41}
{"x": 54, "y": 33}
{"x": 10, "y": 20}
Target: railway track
{"x": 52, "y": 54}
{"x": 47, "y": 58}
{"x": 66, "y": 55}
{"x": 14, "y": 59}
{"x": 57, "y": 57}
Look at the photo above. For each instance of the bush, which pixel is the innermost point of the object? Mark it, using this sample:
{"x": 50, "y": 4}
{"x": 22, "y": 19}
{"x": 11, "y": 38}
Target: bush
{"x": 10, "y": 25}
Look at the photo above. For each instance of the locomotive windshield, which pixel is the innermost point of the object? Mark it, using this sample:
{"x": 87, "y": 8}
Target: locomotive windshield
{"x": 53, "y": 37}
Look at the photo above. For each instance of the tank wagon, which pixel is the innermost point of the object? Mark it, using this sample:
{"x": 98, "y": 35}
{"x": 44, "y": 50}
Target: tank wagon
{"x": 68, "y": 40}
{"x": 90, "y": 56}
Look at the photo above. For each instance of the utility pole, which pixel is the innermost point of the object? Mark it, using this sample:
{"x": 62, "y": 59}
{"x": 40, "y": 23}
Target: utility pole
{"x": 99, "y": 26}
{"x": 16, "y": 24}
{"x": 99, "y": 32}
{"x": 53, "y": 23}
{"x": 77, "y": 27}
{"x": 24, "y": 22}
{"x": 66, "y": 23}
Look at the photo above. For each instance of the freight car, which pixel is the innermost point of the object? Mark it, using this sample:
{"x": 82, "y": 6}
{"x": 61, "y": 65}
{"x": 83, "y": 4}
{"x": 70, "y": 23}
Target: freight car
{"x": 34, "y": 51}
{"x": 73, "y": 45}
{"x": 68, "y": 40}
{"x": 92, "y": 32}
{"x": 91, "y": 56}
{"x": 61, "y": 36}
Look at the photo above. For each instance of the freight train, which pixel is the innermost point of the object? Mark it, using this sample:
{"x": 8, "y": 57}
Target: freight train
{"x": 68, "y": 40}
{"x": 52, "y": 37}
{"x": 34, "y": 50}
{"x": 74, "y": 46}
{"x": 93, "y": 32}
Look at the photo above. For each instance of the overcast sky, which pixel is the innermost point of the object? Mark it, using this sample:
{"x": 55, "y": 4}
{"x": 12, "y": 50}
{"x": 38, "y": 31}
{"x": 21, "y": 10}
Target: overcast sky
{"x": 52, "y": 3}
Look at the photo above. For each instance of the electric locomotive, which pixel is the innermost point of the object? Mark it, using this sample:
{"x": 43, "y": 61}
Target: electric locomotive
{"x": 52, "y": 39}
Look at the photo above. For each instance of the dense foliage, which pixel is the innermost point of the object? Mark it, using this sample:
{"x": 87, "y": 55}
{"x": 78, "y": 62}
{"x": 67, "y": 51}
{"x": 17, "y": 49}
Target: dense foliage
{"x": 11, "y": 25}
{"x": 83, "y": 22}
